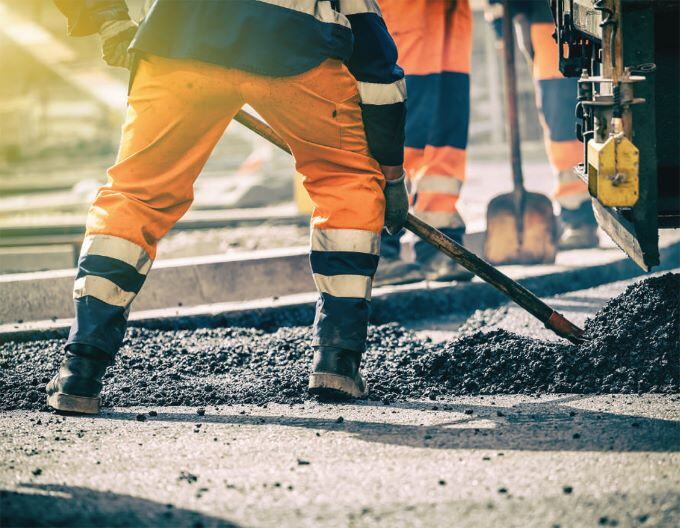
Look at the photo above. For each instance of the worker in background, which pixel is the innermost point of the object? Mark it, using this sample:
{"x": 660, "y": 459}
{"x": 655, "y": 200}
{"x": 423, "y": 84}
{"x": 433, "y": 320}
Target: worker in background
{"x": 324, "y": 75}
{"x": 434, "y": 38}
{"x": 556, "y": 100}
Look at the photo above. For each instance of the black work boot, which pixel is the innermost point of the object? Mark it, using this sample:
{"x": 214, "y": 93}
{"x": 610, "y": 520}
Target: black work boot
{"x": 335, "y": 374}
{"x": 76, "y": 387}
{"x": 439, "y": 267}
{"x": 579, "y": 228}
{"x": 396, "y": 271}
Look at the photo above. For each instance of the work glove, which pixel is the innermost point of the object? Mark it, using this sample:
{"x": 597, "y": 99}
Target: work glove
{"x": 116, "y": 37}
{"x": 396, "y": 204}
{"x": 493, "y": 14}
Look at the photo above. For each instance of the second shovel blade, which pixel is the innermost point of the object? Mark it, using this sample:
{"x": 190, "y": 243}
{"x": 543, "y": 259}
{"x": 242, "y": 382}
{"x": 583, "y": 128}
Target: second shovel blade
{"x": 537, "y": 243}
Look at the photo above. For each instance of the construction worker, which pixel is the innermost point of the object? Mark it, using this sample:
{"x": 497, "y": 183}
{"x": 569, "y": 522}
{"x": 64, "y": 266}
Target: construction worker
{"x": 324, "y": 75}
{"x": 434, "y": 42}
{"x": 556, "y": 100}
{"x": 434, "y": 38}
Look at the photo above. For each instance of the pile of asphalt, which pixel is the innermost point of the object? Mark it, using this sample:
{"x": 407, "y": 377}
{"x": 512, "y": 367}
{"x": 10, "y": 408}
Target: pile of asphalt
{"x": 634, "y": 347}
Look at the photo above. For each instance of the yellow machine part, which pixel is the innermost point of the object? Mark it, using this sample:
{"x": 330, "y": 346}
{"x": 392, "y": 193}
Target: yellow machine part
{"x": 613, "y": 171}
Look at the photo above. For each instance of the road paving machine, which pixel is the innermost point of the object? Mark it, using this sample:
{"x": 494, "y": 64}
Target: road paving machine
{"x": 626, "y": 55}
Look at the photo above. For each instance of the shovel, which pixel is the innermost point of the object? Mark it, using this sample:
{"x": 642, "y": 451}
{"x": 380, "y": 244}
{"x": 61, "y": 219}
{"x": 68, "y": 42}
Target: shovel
{"x": 552, "y": 319}
{"x": 520, "y": 225}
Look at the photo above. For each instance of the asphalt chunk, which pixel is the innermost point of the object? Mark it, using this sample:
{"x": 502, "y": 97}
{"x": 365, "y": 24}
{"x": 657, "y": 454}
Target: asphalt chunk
{"x": 187, "y": 477}
{"x": 633, "y": 346}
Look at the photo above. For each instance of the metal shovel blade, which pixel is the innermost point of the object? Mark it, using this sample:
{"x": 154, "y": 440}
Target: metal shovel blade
{"x": 533, "y": 240}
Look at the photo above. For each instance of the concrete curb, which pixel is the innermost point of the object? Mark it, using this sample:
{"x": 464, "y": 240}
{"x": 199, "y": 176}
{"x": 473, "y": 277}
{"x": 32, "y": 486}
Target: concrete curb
{"x": 194, "y": 281}
{"x": 576, "y": 270}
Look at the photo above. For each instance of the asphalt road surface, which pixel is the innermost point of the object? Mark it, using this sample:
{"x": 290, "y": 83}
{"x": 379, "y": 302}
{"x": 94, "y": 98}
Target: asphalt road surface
{"x": 552, "y": 460}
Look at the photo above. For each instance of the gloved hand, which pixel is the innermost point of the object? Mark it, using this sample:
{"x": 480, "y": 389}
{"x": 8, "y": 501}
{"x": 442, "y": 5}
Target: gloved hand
{"x": 396, "y": 203}
{"x": 493, "y": 14}
{"x": 116, "y": 36}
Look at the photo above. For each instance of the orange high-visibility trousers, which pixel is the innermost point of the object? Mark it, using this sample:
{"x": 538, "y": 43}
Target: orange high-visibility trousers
{"x": 555, "y": 99}
{"x": 434, "y": 39}
{"x": 177, "y": 111}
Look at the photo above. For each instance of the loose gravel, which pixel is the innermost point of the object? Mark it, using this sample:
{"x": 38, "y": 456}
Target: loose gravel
{"x": 634, "y": 347}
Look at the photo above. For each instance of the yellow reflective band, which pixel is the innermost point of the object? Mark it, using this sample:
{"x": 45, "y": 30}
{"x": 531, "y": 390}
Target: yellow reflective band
{"x": 382, "y": 94}
{"x": 354, "y": 286}
{"x": 119, "y": 249}
{"x": 356, "y": 240}
{"x": 356, "y": 7}
{"x": 439, "y": 184}
{"x": 440, "y": 219}
{"x": 102, "y": 289}
{"x": 321, "y": 10}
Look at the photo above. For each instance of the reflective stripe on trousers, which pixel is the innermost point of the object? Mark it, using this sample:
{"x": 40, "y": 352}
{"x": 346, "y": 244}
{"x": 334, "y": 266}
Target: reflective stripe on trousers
{"x": 343, "y": 263}
{"x": 111, "y": 271}
{"x": 434, "y": 38}
{"x": 556, "y": 101}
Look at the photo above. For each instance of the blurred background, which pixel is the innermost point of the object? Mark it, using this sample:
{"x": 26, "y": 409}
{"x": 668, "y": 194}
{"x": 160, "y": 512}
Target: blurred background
{"x": 61, "y": 110}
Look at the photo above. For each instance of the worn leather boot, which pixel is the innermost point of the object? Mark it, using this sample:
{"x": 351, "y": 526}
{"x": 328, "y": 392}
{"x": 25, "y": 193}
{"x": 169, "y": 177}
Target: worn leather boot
{"x": 76, "y": 387}
{"x": 393, "y": 271}
{"x": 335, "y": 374}
{"x": 579, "y": 228}
{"x": 438, "y": 267}
{"x": 442, "y": 268}
{"x": 579, "y": 237}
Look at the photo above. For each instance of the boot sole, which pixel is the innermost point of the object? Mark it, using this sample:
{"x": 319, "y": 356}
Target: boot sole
{"x": 334, "y": 386}
{"x": 73, "y": 404}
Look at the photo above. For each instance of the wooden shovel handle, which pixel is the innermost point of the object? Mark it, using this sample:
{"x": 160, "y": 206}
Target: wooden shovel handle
{"x": 485, "y": 271}
{"x": 261, "y": 129}
{"x": 511, "y": 113}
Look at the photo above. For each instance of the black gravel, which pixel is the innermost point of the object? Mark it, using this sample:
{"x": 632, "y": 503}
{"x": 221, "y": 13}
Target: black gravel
{"x": 634, "y": 347}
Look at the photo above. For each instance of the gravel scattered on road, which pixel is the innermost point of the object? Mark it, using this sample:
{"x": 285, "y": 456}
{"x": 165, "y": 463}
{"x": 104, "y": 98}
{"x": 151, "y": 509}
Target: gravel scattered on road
{"x": 634, "y": 347}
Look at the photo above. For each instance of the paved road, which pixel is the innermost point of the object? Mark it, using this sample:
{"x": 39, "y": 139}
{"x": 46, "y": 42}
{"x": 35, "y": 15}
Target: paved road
{"x": 566, "y": 460}
{"x": 515, "y": 461}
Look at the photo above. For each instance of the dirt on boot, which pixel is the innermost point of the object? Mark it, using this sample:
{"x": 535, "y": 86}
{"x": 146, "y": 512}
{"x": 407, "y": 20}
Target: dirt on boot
{"x": 634, "y": 347}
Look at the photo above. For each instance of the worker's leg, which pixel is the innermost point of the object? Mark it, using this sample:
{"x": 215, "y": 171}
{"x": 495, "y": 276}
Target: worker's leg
{"x": 434, "y": 38}
{"x": 318, "y": 115}
{"x": 437, "y": 131}
{"x": 177, "y": 111}
{"x": 556, "y": 100}
{"x": 407, "y": 25}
